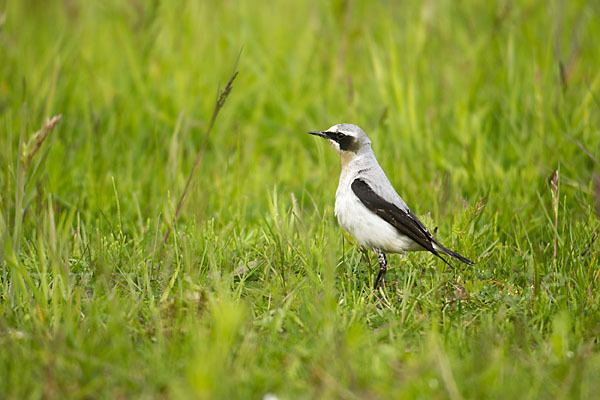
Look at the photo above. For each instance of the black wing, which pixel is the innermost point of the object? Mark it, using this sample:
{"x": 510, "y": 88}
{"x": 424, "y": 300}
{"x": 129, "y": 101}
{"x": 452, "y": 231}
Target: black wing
{"x": 404, "y": 221}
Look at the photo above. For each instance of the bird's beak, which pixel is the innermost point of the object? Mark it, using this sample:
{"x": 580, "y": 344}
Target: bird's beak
{"x": 319, "y": 133}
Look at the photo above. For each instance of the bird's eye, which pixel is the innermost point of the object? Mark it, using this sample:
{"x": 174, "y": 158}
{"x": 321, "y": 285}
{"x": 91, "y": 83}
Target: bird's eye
{"x": 340, "y": 135}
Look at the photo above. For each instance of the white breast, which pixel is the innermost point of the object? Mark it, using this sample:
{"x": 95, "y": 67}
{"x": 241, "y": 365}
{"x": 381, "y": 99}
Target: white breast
{"x": 367, "y": 228}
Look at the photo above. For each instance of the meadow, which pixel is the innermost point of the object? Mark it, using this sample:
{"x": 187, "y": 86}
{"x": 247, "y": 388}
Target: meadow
{"x": 485, "y": 116}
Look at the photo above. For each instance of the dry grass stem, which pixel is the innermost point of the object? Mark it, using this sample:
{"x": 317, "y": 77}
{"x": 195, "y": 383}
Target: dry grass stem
{"x": 38, "y": 138}
{"x": 555, "y": 189}
{"x": 221, "y": 98}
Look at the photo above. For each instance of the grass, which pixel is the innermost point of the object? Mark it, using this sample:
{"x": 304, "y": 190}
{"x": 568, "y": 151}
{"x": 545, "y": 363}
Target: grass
{"x": 484, "y": 114}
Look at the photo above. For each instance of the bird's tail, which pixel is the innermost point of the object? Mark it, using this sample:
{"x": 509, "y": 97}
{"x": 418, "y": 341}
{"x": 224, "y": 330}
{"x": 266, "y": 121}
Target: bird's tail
{"x": 452, "y": 254}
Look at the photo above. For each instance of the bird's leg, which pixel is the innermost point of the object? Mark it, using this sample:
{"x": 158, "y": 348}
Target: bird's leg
{"x": 382, "y": 268}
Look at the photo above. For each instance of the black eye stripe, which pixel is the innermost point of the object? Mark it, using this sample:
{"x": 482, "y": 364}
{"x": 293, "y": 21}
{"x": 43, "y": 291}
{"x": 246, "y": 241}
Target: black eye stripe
{"x": 347, "y": 143}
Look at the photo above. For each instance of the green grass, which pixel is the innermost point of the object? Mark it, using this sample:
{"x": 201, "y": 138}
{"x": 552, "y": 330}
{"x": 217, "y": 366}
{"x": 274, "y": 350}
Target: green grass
{"x": 469, "y": 114}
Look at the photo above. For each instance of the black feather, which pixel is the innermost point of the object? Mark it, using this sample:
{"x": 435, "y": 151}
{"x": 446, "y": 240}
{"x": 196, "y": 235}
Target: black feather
{"x": 404, "y": 221}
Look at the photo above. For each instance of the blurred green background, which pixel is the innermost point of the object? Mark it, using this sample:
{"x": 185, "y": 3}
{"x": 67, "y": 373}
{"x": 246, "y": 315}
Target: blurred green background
{"x": 485, "y": 116}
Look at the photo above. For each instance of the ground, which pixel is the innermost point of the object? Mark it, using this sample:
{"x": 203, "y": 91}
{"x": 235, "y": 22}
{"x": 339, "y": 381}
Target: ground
{"x": 485, "y": 116}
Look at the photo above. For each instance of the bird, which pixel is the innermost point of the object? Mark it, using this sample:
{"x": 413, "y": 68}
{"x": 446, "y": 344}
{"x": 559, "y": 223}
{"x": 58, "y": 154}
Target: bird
{"x": 368, "y": 207}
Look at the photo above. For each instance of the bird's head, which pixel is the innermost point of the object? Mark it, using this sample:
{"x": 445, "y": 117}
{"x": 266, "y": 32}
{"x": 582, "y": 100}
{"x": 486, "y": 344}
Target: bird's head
{"x": 347, "y": 139}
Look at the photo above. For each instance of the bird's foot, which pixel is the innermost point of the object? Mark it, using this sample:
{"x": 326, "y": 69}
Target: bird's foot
{"x": 380, "y": 278}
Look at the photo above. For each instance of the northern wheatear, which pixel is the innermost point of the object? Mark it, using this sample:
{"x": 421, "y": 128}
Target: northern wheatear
{"x": 368, "y": 207}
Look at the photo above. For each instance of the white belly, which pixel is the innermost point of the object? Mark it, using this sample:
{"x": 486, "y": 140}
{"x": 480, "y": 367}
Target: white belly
{"x": 367, "y": 228}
